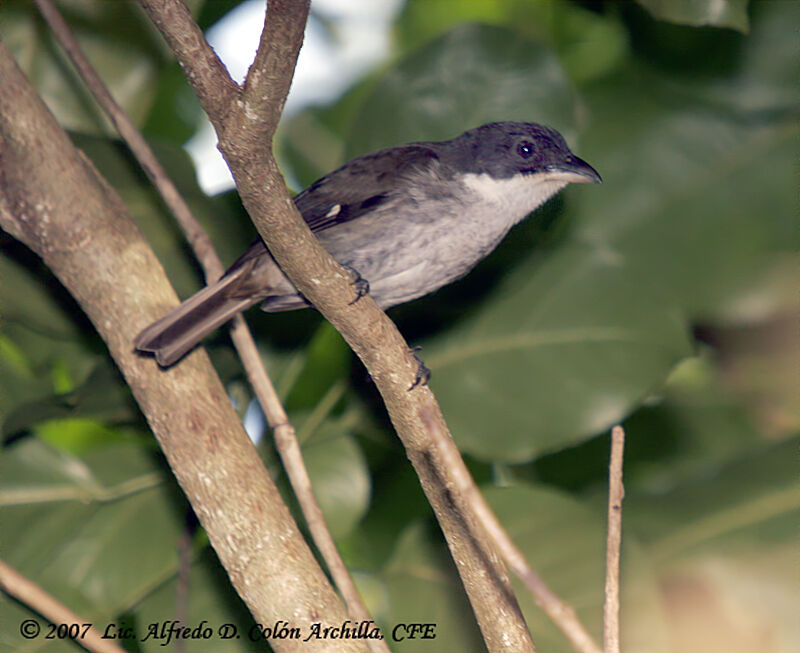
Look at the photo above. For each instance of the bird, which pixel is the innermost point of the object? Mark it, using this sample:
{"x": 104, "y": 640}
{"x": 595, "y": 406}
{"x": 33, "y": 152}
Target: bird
{"x": 405, "y": 220}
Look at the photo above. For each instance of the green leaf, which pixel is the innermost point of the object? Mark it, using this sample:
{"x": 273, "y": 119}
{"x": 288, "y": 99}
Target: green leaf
{"x": 46, "y": 342}
{"x": 696, "y": 201}
{"x": 175, "y": 114}
{"x": 340, "y": 478}
{"x": 725, "y": 541}
{"x": 18, "y": 381}
{"x": 96, "y": 534}
{"x": 588, "y": 43}
{"x": 690, "y": 429}
{"x": 560, "y": 350}
{"x": 678, "y": 174}
{"x": 749, "y": 503}
{"x": 326, "y": 361}
{"x": 211, "y": 602}
{"x": 103, "y": 396}
{"x": 717, "y": 13}
{"x": 115, "y": 38}
{"x": 29, "y": 296}
{"x": 757, "y": 76}
{"x": 472, "y": 75}
{"x": 563, "y": 541}
{"x": 423, "y": 587}
{"x": 228, "y": 227}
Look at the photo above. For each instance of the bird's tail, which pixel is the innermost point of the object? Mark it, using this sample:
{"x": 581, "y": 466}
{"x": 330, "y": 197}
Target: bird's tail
{"x": 181, "y": 329}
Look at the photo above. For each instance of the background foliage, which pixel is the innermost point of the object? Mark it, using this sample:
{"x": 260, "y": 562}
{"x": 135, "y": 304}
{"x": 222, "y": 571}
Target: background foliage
{"x": 663, "y": 299}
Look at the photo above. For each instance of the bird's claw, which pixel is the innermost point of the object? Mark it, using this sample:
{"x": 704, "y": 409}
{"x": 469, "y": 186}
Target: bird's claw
{"x": 359, "y": 283}
{"x": 423, "y": 373}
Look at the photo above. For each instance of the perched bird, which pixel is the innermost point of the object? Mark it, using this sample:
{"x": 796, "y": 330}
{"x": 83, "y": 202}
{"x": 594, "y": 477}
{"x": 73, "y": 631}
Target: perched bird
{"x": 406, "y": 220}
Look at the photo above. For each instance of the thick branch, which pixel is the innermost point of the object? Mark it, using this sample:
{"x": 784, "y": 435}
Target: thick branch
{"x": 198, "y": 238}
{"x": 245, "y": 134}
{"x": 55, "y": 201}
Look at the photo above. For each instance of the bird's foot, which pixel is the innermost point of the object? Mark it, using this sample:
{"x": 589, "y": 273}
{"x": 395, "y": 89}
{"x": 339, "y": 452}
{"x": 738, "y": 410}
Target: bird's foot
{"x": 359, "y": 283}
{"x": 423, "y": 373}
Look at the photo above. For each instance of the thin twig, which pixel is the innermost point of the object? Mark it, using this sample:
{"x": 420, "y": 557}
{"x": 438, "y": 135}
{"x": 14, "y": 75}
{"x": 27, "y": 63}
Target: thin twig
{"x": 30, "y": 594}
{"x": 198, "y": 238}
{"x": 284, "y": 433}
{"x": 616, "y": 492}
{"x": 56, "y": 202}
{"x": 292, "y": 458}
{"x": 560, "y": 613}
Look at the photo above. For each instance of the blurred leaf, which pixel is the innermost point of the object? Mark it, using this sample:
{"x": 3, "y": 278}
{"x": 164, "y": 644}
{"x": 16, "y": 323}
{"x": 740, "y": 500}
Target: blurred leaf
{"x": 396, "y": 502}
{"x": 210, "y": 601}
{"x": 18, "y": 381}
{"x": 326, "y": 360}
{"x": 570, "y": 321}
{"x": 340, "y": 478}
{"x": 724, "y": 544}
{"x": 750, "y": 502}
{"x": 80, "y": 434}
{"x": 759, "y": 76}
{"x": 212, "y": 11}
{"x": 472, "y": 75}
{"x": 103, "y": 396}
{"x": 700, "y": 430}
{"x": 706, "y": 598}
{"x": 424, "y": 20}
{"x": 423, "y": 587}
{"x": 563, "y": 541}
{"x": 759, "y": 363}
{"x": 603, "y": 317}
{"x": 47, "y": 342}
{"x": 690, "y": 429}
{"x": 175, "y": 114}
{"x": 588, "y": 43}
{"x": 25, "y": 300}
{"x": 116, "y": 39}
{"x": 97, "y": 535}
{"x": 717, "y": 13}
{"x": 677, "y": 175}
{"x": 313, "y": 142}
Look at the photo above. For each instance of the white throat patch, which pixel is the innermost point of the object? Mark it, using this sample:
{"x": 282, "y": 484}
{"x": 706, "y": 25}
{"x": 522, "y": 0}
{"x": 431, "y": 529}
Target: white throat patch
{"x": 516, "y": 196}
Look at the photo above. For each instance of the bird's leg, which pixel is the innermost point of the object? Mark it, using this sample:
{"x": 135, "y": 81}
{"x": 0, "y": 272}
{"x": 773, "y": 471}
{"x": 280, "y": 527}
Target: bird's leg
{"x": 359, "y": 283}
{"x": 423, "y": 373}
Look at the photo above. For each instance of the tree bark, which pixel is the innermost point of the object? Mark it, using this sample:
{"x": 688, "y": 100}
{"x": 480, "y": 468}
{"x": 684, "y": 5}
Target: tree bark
{"x": 55, "y": 201}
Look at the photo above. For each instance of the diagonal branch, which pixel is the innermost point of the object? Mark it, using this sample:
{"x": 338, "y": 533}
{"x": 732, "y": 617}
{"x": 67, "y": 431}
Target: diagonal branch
{"x": 245, "y": 130}
{"x": 284, "y": 432}
{"x": 54, "y": 200}
{"x": 29, "y": 593}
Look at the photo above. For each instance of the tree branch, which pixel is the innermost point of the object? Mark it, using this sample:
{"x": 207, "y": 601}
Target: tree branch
{"x": 616, "y": 492}
{"x": 245, "y": 132}
{"x": 30, "y": 594}
{"x": 558, "y": 611}
{"x": 284, "y": 433}
{"x": 55, "y": 201}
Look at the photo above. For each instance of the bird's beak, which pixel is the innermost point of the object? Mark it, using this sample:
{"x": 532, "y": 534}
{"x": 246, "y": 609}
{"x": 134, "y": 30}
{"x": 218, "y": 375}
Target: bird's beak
{"x": 574, "y": 170}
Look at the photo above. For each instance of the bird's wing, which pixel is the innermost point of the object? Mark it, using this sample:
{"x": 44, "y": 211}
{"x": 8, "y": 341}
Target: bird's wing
{"x": 360, "y": 186}
{"x": 352, "y": 190}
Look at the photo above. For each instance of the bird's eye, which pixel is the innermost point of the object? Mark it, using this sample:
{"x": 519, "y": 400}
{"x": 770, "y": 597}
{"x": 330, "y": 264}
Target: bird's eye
{"x": 525, "y": 149}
